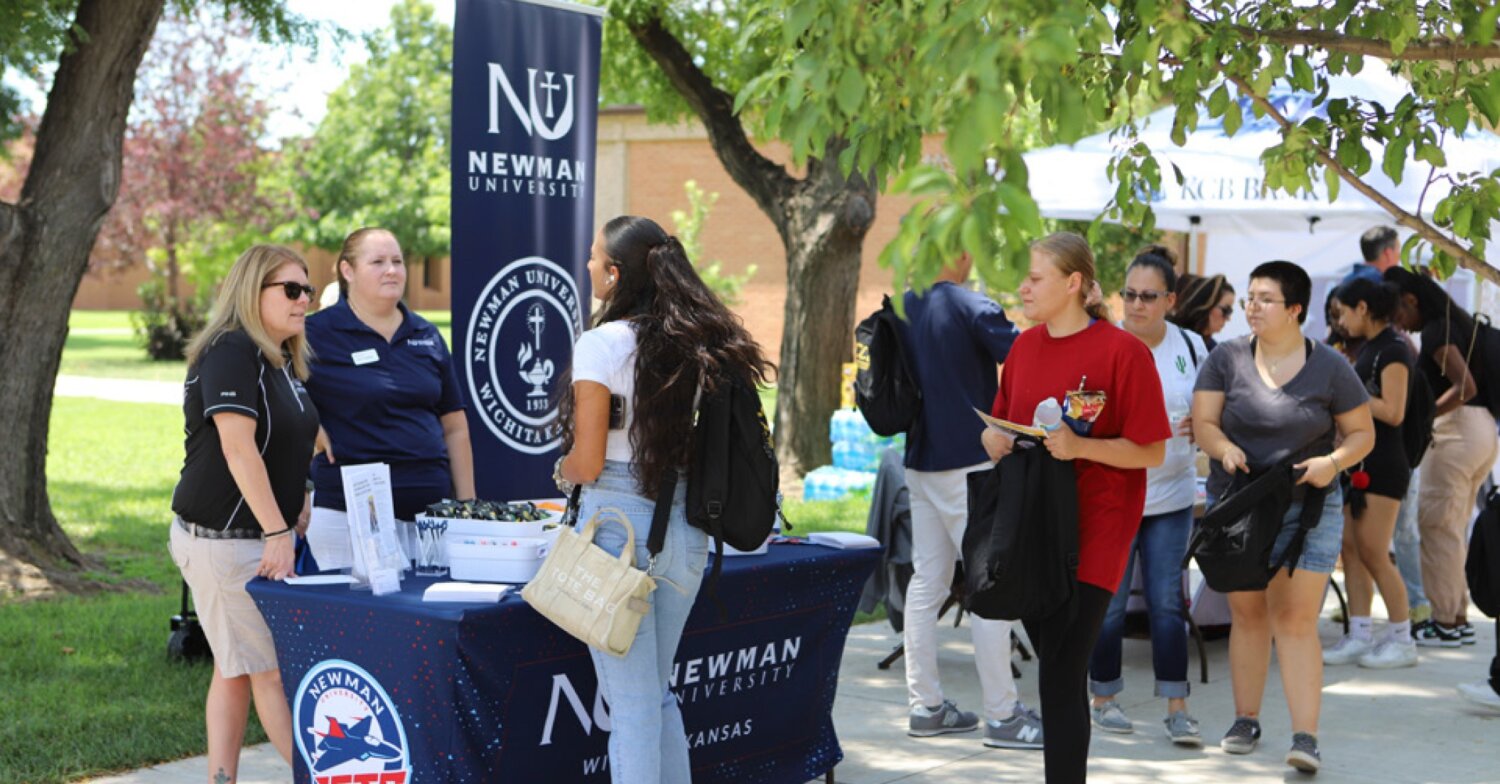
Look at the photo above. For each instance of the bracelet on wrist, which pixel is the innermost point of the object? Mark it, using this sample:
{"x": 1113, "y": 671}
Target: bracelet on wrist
{"x": 274, "y": 534}
{"x": 1336, "y": 467}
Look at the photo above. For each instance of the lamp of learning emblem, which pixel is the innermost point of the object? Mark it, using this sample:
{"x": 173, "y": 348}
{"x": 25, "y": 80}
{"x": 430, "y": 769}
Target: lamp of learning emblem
{"x": 541, "y": 370}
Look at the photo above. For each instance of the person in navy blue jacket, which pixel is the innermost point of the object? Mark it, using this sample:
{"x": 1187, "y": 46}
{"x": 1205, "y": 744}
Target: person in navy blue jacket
{"x": 387, "y": 385}
{"x": 955, "y": 338}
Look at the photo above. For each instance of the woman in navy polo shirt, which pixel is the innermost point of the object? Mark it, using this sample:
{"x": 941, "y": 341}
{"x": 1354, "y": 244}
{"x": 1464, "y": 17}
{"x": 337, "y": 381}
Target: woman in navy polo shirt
{"x": 385, "y": 382}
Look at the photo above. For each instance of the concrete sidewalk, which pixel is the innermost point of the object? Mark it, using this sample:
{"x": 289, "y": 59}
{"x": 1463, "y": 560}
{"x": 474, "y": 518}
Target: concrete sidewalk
{"x": 1378, "y": 727}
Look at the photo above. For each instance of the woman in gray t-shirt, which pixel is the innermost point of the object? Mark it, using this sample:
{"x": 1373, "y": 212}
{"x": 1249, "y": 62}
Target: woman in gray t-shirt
{"x": 1260, "y": 401}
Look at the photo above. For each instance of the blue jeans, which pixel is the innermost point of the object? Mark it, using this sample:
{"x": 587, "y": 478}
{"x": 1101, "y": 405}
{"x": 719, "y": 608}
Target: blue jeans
{"x": 1408, "y": 542}
{"x": 1160, "y": 545}
{"x": 1324, "y": 542}
{"x": 647, "y": 742}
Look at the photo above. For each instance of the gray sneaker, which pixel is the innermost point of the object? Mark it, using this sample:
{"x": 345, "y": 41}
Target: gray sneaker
{"x": 1110, "y": 717}
{"x": 1023, "y": 730}
{"x": 946, "y": 718}
{"x": 1242, "y": 737}
{"x": 1183, "y": 729}
{"x": 1304, "y": 755}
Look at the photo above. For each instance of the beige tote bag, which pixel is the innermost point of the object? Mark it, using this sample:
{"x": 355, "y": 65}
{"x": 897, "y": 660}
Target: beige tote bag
{"x": 594, "y": 596}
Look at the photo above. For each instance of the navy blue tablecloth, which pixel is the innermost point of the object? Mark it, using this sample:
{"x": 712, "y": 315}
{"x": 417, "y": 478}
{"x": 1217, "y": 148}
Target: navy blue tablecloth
{"x": 391, "y": 690}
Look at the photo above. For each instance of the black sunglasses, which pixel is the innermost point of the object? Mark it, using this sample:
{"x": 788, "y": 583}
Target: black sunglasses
{"x": 1148, "y": 297}
{"x": 1227, "y": 310}
{"x": 293, "y": 289}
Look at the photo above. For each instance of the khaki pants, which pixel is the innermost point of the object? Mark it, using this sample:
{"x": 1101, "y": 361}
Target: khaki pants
{"x": 1463, "y": 452}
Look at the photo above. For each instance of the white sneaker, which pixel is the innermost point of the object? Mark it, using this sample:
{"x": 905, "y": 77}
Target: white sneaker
{"x": 1347, "y": 650}
{"x": 1480, "y": 693}
{"x": 1390, "y": 654}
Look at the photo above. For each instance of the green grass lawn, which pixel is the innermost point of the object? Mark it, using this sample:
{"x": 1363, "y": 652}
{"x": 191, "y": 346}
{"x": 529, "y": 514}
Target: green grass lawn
{"x": 87, "y": 687}
{"x": 101, "y": 344}
{"x": 85, "y": 684}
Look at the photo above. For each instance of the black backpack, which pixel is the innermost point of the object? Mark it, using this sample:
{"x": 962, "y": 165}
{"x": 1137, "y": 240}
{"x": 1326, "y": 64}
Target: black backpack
{"x": 734, "y": 479}
{"x": 1421, "y": 410}
{"x": 885, "y": 387}
{"x": 1483, "y": 566}
{"x": 1486, "y": 368}
{"x": 1234, "y": 540}
{"x": 1020, "y": 547}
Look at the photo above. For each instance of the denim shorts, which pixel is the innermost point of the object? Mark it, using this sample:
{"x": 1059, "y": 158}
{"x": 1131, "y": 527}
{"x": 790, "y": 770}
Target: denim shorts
{"x": 1320, "y": 551}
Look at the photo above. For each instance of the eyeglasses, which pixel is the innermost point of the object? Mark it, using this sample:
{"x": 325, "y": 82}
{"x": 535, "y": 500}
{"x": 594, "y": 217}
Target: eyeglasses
{"x": 1226, "y": 310}
{"x": 1260, "y": 303}
{"x": 293, "y": 289}
{"x": 1148, "y": 297}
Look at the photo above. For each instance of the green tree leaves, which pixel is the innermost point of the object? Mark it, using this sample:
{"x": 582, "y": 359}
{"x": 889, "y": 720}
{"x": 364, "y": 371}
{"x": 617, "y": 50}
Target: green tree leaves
{"x": 380, "y": 156}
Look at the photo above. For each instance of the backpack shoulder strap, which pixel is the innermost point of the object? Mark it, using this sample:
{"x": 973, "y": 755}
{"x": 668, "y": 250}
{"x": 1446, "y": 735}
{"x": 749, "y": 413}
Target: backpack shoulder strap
{"x": 1312, "y": 514}
{"x": 1192, "y": 352}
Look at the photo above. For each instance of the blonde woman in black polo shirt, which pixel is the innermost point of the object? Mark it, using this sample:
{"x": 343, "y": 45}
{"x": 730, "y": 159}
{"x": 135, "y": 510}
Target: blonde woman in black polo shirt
{"x": 250, "y": 429}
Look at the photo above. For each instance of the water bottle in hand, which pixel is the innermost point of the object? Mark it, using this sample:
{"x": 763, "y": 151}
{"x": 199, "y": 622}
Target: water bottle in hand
{"x": 1048, "y": 415}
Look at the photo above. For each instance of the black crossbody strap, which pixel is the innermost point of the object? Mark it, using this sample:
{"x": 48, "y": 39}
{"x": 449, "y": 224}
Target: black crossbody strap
{"x": 658, "y": 536}
{"x": 1312, "y": 514}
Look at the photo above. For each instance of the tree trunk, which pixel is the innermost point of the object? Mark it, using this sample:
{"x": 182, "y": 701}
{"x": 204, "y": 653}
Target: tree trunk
{"x": 822, "y": 220}
{"x": 825, "y": 230}
{"x": 44, "y": 249}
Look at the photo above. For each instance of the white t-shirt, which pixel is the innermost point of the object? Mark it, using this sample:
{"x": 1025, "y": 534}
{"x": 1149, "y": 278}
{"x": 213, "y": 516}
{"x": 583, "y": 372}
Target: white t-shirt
{"x": 606, "y": 355}
{"x": 1170, "y": 487}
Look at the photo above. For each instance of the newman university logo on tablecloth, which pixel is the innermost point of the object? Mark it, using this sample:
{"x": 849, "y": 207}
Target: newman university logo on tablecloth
{"x": 347, "y": 728}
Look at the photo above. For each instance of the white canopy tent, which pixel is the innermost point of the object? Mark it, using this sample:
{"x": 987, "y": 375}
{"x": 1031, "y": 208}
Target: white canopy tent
{"x": 1222, "y": 194}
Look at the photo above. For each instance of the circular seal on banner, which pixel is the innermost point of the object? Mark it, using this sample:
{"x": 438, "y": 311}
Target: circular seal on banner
{"x": 520, "y": 338}
{"x": 348, "y": 728}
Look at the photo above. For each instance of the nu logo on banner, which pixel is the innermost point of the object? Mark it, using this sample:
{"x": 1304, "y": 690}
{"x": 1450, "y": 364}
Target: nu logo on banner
{"x": 534, "y": 118}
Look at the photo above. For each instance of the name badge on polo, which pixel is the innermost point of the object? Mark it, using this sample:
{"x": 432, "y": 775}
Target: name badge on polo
{"x": 366, "y": 357}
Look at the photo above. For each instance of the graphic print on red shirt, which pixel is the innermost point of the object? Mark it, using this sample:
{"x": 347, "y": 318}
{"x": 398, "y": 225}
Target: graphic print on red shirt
{"x": 1099, "y": 359}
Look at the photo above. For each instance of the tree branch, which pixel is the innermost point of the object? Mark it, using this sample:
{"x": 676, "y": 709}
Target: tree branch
{"x": 1414, "y": 222}
{"x": 767, "y": 183}
{"x": 1443, "y": 49}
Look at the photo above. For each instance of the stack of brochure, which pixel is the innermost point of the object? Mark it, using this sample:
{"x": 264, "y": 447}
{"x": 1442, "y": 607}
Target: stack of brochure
{"x": 842, "y": 540}
{"x": 464, "y": 592}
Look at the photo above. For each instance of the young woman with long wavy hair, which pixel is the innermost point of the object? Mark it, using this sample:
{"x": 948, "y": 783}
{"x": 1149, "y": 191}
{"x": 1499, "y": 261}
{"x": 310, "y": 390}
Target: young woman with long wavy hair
{"x": 660, "y": 335}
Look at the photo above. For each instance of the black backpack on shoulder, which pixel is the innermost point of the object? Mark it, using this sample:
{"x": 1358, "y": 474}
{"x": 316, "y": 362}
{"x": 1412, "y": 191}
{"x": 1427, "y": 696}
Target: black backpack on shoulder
{"x": 1485, "y": 363}
{"x": 734, "y": 479}
{"x": 1421, "y": 410}
{"x": 885, "y": 386}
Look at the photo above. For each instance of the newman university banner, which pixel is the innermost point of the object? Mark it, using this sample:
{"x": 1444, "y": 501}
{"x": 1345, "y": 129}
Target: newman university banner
{"x": 525, "y": 98}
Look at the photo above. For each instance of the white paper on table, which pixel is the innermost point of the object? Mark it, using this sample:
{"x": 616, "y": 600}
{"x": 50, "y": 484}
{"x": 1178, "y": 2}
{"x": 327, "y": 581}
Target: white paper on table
{"x": 372, "y": 520}
{"x": 328, "y": 536}
{"x": 464, "y": 592}
{"x": 318, "y": 579}
{"x": 843, "y": 540}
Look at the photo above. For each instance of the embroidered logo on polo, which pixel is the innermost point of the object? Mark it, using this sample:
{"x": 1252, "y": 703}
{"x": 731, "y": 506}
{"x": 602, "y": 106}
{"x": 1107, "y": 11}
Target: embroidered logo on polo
{"x": 520, "y": 337}
{"x": 347, "y": 727}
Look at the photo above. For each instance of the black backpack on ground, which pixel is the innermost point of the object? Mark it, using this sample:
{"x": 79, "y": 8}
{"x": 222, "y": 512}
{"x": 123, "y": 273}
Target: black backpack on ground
{"x": 1483, "y": 566}
{"x": 1020, "y": 548}
{"x": 734, "y": 479}
{"x": 885, "y": 386}
{"x": 1234, "y": 540}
